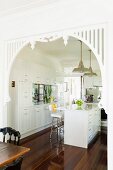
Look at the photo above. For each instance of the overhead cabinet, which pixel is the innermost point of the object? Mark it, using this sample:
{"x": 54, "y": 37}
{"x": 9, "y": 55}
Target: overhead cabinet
{"x": 90, "y": 82}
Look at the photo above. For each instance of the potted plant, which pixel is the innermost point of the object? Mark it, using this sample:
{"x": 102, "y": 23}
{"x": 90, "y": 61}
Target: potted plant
{"x": 79, "y": 103}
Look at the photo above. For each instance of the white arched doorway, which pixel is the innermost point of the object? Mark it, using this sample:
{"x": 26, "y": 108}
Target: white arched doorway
{"x": 92, "y": 36}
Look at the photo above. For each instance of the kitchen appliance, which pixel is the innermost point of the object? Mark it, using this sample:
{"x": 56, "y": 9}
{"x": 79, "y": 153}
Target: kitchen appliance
{"x": 89, "y": 98}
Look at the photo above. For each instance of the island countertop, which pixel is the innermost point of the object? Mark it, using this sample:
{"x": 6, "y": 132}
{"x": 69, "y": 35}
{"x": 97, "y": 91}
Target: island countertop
{"x": 80, "y": 126}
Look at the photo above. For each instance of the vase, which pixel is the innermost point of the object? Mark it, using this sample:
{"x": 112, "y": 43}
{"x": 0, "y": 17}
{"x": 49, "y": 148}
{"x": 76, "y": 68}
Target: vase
{"x": 79, "y": 107}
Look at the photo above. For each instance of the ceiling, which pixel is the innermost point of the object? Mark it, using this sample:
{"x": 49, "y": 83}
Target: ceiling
{"x": 67, "y": 56}
{"x": 9, "y": 7}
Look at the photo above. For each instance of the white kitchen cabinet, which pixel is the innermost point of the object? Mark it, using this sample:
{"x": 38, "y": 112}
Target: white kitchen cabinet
{"x": 93, "y": 123}
{"x": 24, "y": 120}
{"x": 97, "y": 81}
{"x": 90, "y": 82}
{"x": 48, "y": 118}
{"x": 24, "y": 93}
{"x": 38, "y": 116}
{"x": 33, "y": 118}
{"x": 81, "y": 126}
{"x": 46, "y": 115}
{"x": 25, "y": 116}
{"x": 30, "y": 118}
{"x": 42, "y": 115}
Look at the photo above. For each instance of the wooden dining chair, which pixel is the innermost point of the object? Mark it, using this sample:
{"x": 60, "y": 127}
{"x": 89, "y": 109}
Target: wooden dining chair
{"x": 15, "y": 165}
{"x": 13, "y": 136}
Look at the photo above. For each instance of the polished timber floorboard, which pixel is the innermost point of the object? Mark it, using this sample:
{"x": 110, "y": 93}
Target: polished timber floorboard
{"x": 46, "y": 155}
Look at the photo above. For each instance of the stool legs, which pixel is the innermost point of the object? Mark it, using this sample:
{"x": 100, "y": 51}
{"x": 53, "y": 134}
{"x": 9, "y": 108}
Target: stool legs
{"x": 56, "y": 126}
{"x": 51, "y": 129}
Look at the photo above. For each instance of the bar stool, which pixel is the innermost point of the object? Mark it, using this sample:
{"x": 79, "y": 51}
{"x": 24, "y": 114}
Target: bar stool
{"x": 57, "y": 122}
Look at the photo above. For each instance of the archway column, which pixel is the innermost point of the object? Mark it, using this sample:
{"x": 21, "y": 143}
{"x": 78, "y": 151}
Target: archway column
{"x": 3, "y": 76}
{"x": 109, "y": 93}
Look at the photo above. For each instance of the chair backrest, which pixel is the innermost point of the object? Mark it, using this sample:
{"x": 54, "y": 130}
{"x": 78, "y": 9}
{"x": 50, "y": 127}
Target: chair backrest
{"x": 16, "y": 165}
{"x": 14, "y": 136}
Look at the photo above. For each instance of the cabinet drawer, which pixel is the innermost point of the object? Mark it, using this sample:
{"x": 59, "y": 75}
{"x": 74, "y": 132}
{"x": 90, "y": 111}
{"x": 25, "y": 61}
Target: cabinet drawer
{"x": 90, "y": 121}
{"x": 90, "y": 138}
{"x": 90, "y": 131}
{"x": 37, "y": 109}
{"x": 90, "y": 116}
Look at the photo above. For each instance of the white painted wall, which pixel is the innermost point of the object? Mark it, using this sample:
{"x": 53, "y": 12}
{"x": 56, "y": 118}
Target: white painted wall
{"x": 65, "y": 15}
{"x": 55, "y": 17}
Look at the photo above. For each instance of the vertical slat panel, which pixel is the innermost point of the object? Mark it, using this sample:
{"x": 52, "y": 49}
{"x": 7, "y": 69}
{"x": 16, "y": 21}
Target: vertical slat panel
{"x": 10, "y": 49}
{"x": 90, "y": 36}
{"x": 102, "y": 45}
{"x": 98, "y": 41}
{"x": 82, "y": 34}
{"x": 8, "y": 53}
{"x": 16, "y": 46}
{"x": 85, "y": 35}
{"x": 93, "y": 38}
{"x": 20, "y": 44}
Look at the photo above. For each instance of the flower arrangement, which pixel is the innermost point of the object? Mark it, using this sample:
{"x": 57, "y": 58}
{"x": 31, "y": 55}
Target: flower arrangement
{"x": 54, "y": 107}
{"x": 79, "y": 102}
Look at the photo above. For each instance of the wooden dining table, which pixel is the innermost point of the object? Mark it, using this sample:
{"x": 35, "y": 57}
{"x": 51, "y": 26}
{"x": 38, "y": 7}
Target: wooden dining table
{"x": 10, "y": 152}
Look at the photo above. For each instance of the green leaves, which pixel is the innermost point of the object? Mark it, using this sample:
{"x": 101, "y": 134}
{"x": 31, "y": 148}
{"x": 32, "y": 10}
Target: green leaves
{"x": 79, "y": 102}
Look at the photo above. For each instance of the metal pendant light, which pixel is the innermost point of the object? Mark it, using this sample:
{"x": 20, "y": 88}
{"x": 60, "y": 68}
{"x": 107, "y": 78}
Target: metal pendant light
{"x": 91, "y": 73}
{"x": 80, "y": 68}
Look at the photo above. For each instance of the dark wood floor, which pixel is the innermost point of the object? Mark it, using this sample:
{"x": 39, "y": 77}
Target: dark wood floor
{"x": 56, "y": 156}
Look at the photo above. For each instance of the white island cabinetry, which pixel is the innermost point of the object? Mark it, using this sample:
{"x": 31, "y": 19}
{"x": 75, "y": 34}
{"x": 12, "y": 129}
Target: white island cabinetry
{"x": 81, "y": 126}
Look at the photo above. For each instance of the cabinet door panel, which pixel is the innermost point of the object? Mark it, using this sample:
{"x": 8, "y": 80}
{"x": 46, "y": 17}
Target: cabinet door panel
{"x": 48, "y": 118}
{"x": 25, "y": 120}
{"x": 38, "y": 117}
{"x": 43, "y": 118}
{"x": 33, "y": 118}
{"x": 24, "y": 93}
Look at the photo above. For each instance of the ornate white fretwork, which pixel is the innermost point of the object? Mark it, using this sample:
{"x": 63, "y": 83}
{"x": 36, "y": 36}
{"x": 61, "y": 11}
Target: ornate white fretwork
{"x": 93, "y": 36}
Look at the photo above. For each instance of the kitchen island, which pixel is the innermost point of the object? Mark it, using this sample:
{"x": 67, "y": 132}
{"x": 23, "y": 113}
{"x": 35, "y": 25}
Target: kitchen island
{"x": 81, "y": 126}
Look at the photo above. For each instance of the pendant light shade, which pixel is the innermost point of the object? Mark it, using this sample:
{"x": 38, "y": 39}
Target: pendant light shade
{"x": 90, "y": 73}
{"x": 80, "y": 68}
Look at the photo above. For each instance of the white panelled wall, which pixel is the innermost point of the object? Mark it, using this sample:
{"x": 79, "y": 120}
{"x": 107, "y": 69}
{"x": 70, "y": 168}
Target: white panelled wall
{"x": 23, "y": 115}
{"x": 57, "y": 20}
